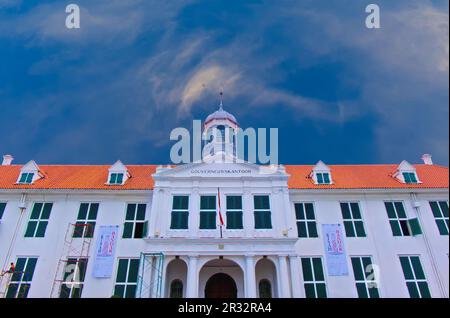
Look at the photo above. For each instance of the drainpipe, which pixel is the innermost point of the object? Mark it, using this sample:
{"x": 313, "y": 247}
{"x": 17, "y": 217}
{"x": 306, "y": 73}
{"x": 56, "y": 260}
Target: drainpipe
{"x": 428, "y": 246}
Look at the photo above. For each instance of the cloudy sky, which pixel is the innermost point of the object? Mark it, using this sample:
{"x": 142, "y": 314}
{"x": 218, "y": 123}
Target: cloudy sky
{"x": 136, "y": 69}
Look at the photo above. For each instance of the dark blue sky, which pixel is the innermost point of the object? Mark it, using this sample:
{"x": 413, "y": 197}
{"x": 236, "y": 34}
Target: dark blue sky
{"x": 116, "y": 87}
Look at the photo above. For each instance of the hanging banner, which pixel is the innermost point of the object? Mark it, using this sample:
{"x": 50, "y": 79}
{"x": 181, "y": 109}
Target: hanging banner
{"x": 336, "y": 256}
{"x": 105, "y": 251}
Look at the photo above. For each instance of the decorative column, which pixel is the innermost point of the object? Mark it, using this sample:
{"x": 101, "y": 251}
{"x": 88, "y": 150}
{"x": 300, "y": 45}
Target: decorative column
{"x": 283, "y": 274}
{"x": 294, "y": 262}
{"x": 192, "y": 278}
{"x": 250, "y": 279}
{"x": 247, "y": 213}
{"x": 194, "y": 212}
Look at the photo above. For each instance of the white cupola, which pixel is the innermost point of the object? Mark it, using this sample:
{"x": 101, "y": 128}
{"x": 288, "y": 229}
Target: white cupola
{"x": 220, "y": 131}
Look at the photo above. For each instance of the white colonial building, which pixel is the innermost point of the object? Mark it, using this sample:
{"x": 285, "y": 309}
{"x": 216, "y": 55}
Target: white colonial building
{"x": 288, "y": 231}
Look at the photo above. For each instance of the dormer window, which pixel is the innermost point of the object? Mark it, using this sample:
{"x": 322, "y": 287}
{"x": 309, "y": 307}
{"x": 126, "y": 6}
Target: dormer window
{"x": 409, "y": 177}
{"x": 116, "y": 178}
{"x": 321, "y": 174}
{"x": 406, "y": 173}
{"x": 323, "y": 178}
{"x": 26, "y": 178}
{"x": 118, "y": 174}
{"x": 29, "y": 173}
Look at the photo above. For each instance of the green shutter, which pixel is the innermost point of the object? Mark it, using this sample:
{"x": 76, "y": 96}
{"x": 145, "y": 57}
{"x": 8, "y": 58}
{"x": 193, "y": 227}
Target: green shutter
{"x": 299, "y": 211}
{"x": 127, "y": 230}
{"x": 326, "y": 178}
{"x": 414, "y": 226}
{"x": 145, "y": 229}
{"x": 312, "y": 229}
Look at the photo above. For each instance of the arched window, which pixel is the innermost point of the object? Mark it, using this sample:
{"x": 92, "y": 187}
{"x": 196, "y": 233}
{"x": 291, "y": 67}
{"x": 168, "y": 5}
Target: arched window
{"x": 176, "y": 289}
{"x": 265, "y": 289}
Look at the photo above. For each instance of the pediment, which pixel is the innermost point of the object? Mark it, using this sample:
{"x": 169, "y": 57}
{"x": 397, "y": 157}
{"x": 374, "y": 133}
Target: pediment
{"x": 220, "y": 170}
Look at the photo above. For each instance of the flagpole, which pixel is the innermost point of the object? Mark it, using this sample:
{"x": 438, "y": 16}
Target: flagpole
{"x": 220, "y": 213}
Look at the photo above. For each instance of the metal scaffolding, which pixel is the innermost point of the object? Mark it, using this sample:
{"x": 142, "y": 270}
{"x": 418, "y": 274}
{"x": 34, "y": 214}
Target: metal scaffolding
{"x": 149, "y": 284}
{"x": 75, "y": 247}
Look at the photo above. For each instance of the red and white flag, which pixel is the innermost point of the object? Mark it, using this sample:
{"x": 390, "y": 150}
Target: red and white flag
{"x": 220, "y": 211}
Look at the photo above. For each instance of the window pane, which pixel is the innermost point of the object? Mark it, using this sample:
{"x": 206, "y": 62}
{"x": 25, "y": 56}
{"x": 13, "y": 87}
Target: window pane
{"x": 42, "y": 226}
{"x": 141, "y": 212}
{"x": 180, "y": 202}
{"x": 2, "y": 209}
{"x": 301, "y": 228}
{"x": 349, "y": 231}
{"x": 234, "y": 220}
{"x": 435, "y": 209}
{"x": 417, "y": 267}
{"x": 442, "y": 227}
{"x": 207, "y": 202}
{"x": 309, "y": 211}
{"x": 318, "y": 270}
{"x": 207, "y": 220}
{"x": 35, "y": 213}
{"x": 424, "y": 291}
{"x": 31, "y": 228}
{"x": 413, "y": 291}
{"x": 373, "y": 292}
{"x": 355, "y": 210}
{"x": 299, "y": 211}
{"x": 93, "y": 211}
{"x": 119, "y": 178}
{"x": 444, "y": 208}
{"x": 395, "y": 226}
{"x": 321, "y": 290}
{"x": 29, "y": 271}
{"x": 319, "y": 178}
{"x": 82, "y": 213}
{"x": 407, "y": 271}
{"x": 12, "y": 290}
{"x": 234, "y": 202}
{"x": 307, "y": 270}
{"x": 390, "y": 210}
{"x": 133, "y": 271}
{"x": 128, "y": 229}
{"x": 310, "y": 291}
{"x": 400, "y": 209}
{"x": 360, "y": 229}
{"x": 357, "y": 268}
{"x": 345, "y": 211}
{"x": 139, "y": 230}
{"x": 119, "y": 290}
{"x": 312, "y": 229}
{"x": 131, "y": 212}
{"x": 326, "y": 178}
{"x": 404, "y": 227}
{"x": 29, "y": 177}
{"x": 122, "y": 271}
{"x": 46, "y": 212}
{"x": 130, "y": 291}
{"x": 23, "y": 291}
{"x": 362, "y": 290}
{"x": 261, "y": 202}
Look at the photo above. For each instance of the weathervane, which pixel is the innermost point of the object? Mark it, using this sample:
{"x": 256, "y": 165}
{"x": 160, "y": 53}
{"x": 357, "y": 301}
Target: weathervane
{"x": 221, "y": 99}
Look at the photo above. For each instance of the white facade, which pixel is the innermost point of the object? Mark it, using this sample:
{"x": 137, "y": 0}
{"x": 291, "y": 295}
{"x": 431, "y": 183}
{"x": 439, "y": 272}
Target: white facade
{"x": 248, "y": 255}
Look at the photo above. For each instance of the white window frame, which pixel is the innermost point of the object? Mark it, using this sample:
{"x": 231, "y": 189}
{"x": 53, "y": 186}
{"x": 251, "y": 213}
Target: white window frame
{"x": 352, "y": 219}
{"x": 126, "y": 283}
{"x": 306, "y": 220}
{"x": 365, "y": 281}
{"x": 416, "y": 281}
{"x": 314, "y": 281}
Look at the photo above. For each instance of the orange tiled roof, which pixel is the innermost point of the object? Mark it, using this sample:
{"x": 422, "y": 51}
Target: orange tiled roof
{"x": 368, "y": 177}
{"x": 88, "y": 177}
{"x": 92, "y": 177}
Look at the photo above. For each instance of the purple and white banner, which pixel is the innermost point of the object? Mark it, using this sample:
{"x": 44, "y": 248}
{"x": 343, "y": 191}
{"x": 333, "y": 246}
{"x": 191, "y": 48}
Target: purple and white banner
{"x": 105, "y": 251}
{"x": 335, "y": 254}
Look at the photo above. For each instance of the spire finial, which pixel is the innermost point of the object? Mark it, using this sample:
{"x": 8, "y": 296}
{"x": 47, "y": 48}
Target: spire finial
{"x": 221, "y": 100}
